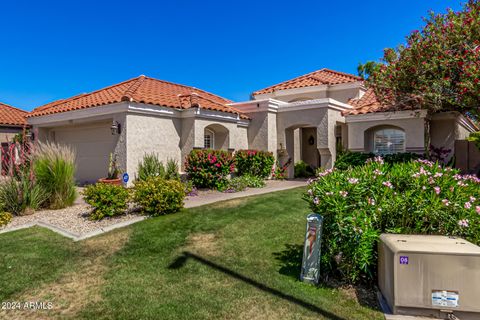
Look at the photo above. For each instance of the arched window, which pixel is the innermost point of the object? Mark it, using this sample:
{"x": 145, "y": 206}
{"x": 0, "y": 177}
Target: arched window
{"x": 388, "y": 140}
{"x": 208, "y": 139}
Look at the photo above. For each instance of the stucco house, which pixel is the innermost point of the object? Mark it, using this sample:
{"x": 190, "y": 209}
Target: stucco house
{"x": 306, "y": 118}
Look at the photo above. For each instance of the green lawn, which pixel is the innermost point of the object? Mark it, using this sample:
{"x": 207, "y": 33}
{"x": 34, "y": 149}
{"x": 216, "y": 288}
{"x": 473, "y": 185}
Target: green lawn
{"x": 237, "y": 259}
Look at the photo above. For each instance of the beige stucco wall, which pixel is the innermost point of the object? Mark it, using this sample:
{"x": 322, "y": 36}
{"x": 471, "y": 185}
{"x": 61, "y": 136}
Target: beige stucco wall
{"x": 8, "y": 133}
{"x": 360, "y": 134}
{"x": 152, "y": 134}
{"x": 443, "y": 133}
{"x": 445, "y": 128}
{"x": 262, "y": 131}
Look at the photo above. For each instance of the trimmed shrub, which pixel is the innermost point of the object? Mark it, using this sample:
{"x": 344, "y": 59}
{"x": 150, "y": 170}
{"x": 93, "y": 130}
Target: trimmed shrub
{"x": 158, "y": 196}
{"x": 253, "y": 181}
{"x": 54, "y": 168}
{"x": 5, "y": 218}
{"x": 236, "y": 184}
{"x": 401, "y": 157}
{"x": 350, "y": 159}
{"x": 254, "y": 163}
{"x": 418, "y": 197}
{"x": 149, "y": 167}
{"x": 209, "y": 168}
{"x": 107, "y": 200}
{"x": 303, "y": 170}
{"x": 242, "y": 182}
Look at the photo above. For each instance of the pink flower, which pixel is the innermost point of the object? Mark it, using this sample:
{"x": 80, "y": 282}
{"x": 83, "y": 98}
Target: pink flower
{"x": 343, "y": 193}
{"x": 463, "y": 223}
{"x": 467, "y": 205}
{"x": 310, "y": 192}
{"x": 477, "y": 208}
{"x": 437, "y": 190}
{"x": 371, "y": 201}
{"x": 353, "y": 180}
{"x": 388, "y": 184}
{"x": 329, "y": 193}
{"x": 446, "y": 202}
{"x": 316, "y": 201}
{"x": 424, "y": 188}
{"x": 472, "y": 199}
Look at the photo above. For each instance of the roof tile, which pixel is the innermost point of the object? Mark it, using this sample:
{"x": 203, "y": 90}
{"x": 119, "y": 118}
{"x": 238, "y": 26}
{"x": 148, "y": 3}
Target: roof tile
{"x": 12, "y": 116}
{"x": 319, "y": 77}
{"x": 142, "y": 90}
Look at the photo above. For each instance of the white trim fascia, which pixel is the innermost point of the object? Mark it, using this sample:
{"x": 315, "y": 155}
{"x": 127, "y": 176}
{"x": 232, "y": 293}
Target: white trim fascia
{"x": 314, "y": 104}
{"x": 270, "y": 105}
{"x": 211, "y": 114}
{"x": 151, "y": 109}
{"x": 52, "y": 119}
{"x": 348, "y": 85}
{"x": 390, "y": 115}
{"x": 132, "y": 107}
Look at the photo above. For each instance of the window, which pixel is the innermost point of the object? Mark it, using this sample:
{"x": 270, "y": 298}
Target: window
{"x": 387, "y": 141}
{"x": 208, "y": 139}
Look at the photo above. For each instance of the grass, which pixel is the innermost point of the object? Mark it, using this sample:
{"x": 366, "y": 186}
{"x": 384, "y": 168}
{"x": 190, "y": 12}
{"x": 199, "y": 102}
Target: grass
{"x": 237, "y": 259}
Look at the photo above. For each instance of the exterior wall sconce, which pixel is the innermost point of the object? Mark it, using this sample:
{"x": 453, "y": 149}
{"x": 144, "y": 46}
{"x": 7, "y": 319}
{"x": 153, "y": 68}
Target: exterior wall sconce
{"x": 116, "y": 128}
{"x": 311, "y": 140}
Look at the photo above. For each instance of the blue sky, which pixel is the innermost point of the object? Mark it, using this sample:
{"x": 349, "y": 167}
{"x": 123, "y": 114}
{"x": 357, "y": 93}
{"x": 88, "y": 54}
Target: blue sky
{"x": 56, "y": 49}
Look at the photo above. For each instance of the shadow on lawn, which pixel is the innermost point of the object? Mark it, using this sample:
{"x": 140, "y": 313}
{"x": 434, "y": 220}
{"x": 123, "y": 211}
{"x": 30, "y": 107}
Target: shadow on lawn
{"x": 182, "y": 260}
{"x": 291, "y": 263}
{"x": 291, "y": 260}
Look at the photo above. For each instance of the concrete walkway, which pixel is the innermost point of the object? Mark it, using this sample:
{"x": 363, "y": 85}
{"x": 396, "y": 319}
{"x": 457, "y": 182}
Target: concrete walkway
{"x": 208, "y": 197}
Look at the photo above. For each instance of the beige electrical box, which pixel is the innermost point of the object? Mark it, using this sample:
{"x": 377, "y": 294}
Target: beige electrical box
{"x": 429, "y": 275}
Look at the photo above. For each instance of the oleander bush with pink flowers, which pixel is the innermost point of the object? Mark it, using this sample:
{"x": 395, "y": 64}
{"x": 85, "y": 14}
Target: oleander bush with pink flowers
{"x": 417, "y": 197}
{"x": 208, "y": 168}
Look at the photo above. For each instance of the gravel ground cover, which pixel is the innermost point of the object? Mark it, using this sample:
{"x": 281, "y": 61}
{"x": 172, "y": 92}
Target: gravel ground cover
{"x": 73, "y": 219}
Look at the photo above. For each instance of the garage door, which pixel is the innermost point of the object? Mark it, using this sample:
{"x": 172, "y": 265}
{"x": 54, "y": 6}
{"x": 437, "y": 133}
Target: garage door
{"x": 93, "y": 145}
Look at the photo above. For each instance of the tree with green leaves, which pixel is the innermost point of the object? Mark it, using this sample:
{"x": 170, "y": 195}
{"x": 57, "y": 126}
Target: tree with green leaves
{"x": 438, "y": 68}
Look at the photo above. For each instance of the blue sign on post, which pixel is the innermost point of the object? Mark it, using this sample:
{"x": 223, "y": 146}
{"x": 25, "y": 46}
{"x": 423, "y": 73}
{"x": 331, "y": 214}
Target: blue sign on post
{"x": 125, "y": 177}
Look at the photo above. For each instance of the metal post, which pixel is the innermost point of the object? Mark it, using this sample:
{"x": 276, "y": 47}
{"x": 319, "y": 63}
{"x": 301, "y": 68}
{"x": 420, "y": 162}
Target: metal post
{"x": 311, "y": 251}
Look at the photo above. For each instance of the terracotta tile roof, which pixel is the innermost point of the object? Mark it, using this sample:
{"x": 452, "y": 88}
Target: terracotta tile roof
{"x": 11, "y": 116}
{"x": 369, "y": 103}
{"x": 319, "y": 77}
{"x": 142, "y": 90}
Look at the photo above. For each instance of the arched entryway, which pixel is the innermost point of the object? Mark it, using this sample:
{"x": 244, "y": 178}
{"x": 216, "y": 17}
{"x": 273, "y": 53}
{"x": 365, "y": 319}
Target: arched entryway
{"x": 216, "y": 136}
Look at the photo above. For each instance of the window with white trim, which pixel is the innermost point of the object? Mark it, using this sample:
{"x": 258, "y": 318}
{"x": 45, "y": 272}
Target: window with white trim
{"x": 208, "y": 139}
{"x": 388, "y": 141}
